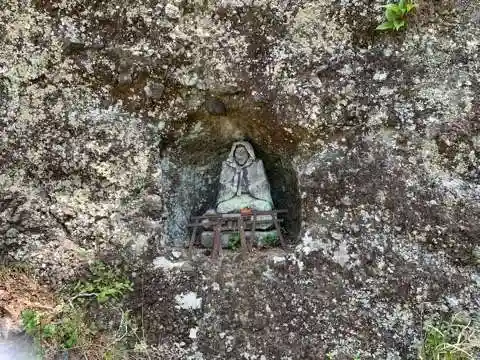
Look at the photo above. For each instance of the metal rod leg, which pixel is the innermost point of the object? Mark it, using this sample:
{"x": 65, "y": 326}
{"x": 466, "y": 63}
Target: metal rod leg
{"x": 253, "y": 238}
{"x": 279, "y": 232}
{"x": 192, "y": 240}
{"x": 216, "y": 242}
{"x": 242, "y": 235}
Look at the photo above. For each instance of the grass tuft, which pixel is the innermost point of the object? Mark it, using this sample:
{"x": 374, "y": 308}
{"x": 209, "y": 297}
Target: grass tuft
{"x": 234, "y": 241}
{"x": 68, "y": 326}
{"x": 105, "y": 283}
{"x": 458, "y": 339}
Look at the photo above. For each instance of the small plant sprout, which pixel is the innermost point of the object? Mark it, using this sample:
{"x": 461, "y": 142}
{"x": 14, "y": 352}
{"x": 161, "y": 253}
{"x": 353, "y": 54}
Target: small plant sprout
{"x": 63, "y": 332}
{"x": 271, "y": 240}
{"x": 396, "y": 15}
{"x": 234, "y": 241}
{"x": 105, "y": 283}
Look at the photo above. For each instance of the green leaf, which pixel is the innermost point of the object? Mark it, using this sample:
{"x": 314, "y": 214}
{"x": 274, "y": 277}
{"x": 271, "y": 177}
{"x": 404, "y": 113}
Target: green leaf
{"x": 401, "y": 4}
{"x": 385, "y": 26}
{"x": 70, "y": 341}
{"x": 410, "y": 7}
{"x": 393, "y": 12}
{"x": 398, "y": 24}
{"x": 102, "y": 298}
{"x": 30, "y": 320}
{"x": 49, "y": 330}
{"x": 390, "y": 14}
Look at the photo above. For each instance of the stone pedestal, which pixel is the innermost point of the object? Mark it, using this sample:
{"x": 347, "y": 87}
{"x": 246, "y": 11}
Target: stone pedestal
{"x": 225, "y": 236}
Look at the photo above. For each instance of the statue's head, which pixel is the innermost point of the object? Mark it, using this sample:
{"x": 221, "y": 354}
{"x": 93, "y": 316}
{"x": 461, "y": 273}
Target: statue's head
{"x": 241, "y": 155}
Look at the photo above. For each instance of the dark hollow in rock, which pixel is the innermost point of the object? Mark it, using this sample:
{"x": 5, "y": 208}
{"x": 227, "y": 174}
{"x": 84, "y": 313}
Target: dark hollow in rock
{"x": 215, "y": 106}
{"x": 283, "y": 187}
{"x": 195, "y": 191}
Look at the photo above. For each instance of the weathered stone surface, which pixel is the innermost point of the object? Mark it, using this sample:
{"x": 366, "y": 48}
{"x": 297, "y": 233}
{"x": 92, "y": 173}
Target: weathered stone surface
{"x": 172, "y": 11}
{"x": 154, "y": 90}
{"x": 380, "y": 131}
{"x": 215, "y": 106}
{"x": 124, "y": 79}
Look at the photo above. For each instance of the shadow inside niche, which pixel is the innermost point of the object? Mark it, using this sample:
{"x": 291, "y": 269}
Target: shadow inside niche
{"x": 284, "y": 189}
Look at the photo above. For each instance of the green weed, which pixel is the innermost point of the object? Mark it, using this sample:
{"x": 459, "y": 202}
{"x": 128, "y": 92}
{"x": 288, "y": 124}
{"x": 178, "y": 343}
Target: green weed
{"x": 65, "y": 331}
{"x": 68, "y": 326}
{"x": 396, "y": 15}
{"x": 105, "y": 283}
{"x": 271, "y": 240}
{"x": 455, "y": 340}
{"x": 30, "y": 321}
{"x": 234, "y": 241}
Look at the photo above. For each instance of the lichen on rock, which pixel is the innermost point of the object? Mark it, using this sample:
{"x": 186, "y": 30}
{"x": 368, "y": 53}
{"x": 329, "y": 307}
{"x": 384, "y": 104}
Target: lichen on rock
{"x": 371, "y": 140}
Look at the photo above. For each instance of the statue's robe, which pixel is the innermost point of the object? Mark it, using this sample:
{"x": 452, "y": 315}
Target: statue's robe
{"x": 243, "y": 186}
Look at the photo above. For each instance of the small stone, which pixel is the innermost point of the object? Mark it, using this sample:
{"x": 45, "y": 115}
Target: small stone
{"x": 11, "y": 233}
{"x": 187, "y": 267}
{"x": 215, "y": 286}
{"x": 72, "y": 46}
{"x": 162, "y": 262}
{"x": 476, "y": 17}
{"x": 336, "y": 236}
{"x": 154, "y": 90}
{"x": 188, "y": 301}
{"x": 215, "y": 106}
{"x": 475, "y": 253}
{"x": 153, "y": 205}
{"x": 172, "y": 11}
{"x": 193, "y": 333}
{"x": 124, "y": 79}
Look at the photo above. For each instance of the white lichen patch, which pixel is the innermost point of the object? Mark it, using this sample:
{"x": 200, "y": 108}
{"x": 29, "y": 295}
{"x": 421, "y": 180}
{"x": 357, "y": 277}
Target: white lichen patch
{"x": 188, "y": 301}
{"x": 162, "y": 262}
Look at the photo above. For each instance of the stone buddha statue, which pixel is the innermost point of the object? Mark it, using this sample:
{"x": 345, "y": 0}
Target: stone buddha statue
{"x": 243, "y": 184}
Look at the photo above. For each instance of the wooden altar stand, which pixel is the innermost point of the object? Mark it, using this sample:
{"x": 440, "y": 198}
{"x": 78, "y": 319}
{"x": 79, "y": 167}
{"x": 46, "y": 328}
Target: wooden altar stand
{"x": 245, "y": 220}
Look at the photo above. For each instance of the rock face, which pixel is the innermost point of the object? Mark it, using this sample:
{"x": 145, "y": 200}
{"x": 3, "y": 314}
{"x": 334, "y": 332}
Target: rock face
{"x": 215, "y": 106}
{"x": 380, "y": 134}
